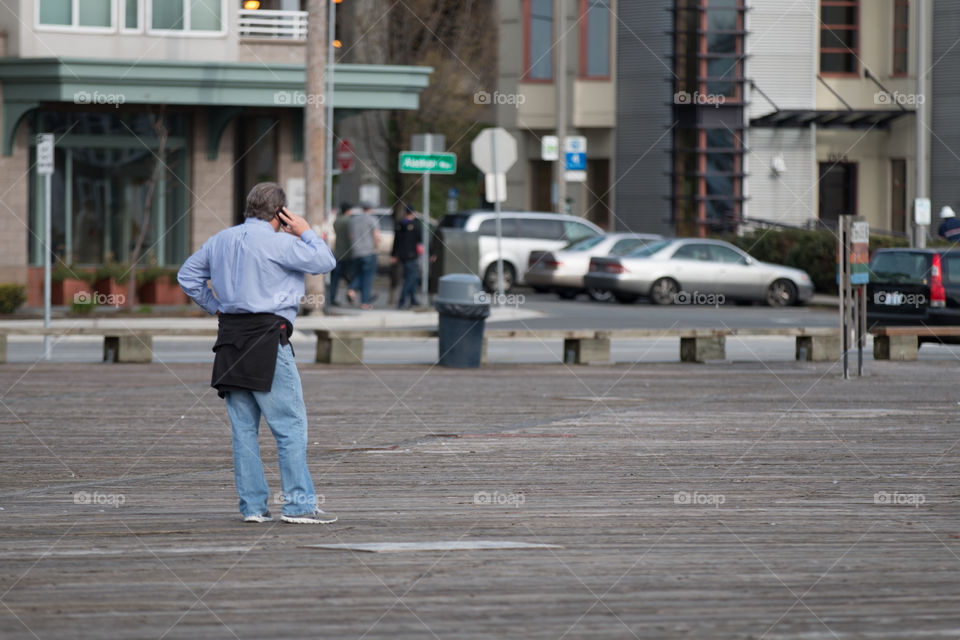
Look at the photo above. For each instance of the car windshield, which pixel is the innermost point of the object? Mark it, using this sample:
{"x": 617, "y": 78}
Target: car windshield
{"x": 583, "y": 245}
{"x": 900, "y": 267}
{"x": 648, "y": 250}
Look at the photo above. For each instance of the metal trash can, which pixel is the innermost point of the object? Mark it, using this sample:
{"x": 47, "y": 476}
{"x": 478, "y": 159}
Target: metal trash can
{"x": 463, "y": 307}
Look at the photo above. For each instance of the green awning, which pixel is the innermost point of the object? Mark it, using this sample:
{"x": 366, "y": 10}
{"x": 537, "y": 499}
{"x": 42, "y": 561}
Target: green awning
{"x": 29, "y": 83}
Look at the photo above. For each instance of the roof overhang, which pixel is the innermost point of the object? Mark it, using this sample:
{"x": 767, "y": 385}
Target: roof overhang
{"x": 31, "y": 82}
{"x": 830, "y": 119}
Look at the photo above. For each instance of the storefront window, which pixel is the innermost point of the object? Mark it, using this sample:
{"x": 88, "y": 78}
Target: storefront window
{"x": 100, "y": 190}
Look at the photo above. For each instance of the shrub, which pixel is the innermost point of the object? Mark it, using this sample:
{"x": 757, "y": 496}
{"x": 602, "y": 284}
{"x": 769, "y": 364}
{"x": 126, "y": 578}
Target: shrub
{"x": 12, "y": 297}
{"x": 813, "y": 251}
{"x": 155, "y": 274}
{"x": 63, "y": 272}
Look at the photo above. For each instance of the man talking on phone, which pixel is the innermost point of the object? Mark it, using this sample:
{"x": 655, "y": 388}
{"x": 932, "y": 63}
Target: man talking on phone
{"x": 257, "y": 272}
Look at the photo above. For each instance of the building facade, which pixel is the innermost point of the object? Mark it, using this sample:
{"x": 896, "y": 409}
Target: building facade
{"x": 192, "y": 102}
{"x": 782, "y": 112}
{"x": 525, "y": 99}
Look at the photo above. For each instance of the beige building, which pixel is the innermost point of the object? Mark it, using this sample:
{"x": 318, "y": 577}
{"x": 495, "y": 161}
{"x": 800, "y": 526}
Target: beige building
{"x": 210, "y": 91}
{"x": 525, "y": 99}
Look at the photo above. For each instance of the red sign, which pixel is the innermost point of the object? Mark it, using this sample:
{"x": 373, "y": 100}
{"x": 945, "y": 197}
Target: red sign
{"x": 345, "y": 155}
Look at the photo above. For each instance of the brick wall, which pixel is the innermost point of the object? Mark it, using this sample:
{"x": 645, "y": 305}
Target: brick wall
{"x": 211, "y": 186}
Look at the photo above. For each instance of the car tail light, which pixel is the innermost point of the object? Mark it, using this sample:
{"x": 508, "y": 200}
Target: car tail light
{"x": 614, "y": 267}
{"x": 594, "y": 266}
{"x": 938, "y": 296}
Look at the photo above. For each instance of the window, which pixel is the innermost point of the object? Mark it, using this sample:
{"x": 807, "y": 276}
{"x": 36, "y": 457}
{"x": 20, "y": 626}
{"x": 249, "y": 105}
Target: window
{"x": 538, "y": 40}
{"x": 595, "y": 38}
{"x": 96, "y": 15}
{"x": 131, "y": 15}
{"x": 541, "y": 229}
{"x": 625, "y": 246}
{"x": 100, "y": 189}
{"x": 186, "y": 15}
{"x": 719, "y": 253}
{"x": 692, "y": 252}
{"x": 583, "y": 245}
{"x": 508, "y": 227}
{"x": 901, "y": 36}
{"x": 576, "y": 231}
{"x": 839, "y": 37}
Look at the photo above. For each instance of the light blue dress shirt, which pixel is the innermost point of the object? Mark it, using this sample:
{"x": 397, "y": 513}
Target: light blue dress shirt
{"x": 254, "y": 269}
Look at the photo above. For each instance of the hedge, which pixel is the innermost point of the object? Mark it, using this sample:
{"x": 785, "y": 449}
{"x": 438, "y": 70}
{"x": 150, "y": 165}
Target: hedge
{"x": 12, "y": 296}
{"x": 813, "y": 251}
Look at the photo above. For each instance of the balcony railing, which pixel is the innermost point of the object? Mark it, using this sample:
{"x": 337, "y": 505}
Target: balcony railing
{"x": 276, "y": 25}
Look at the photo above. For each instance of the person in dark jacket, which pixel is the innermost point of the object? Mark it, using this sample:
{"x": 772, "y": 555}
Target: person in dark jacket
{"x": 950, "y": 227}
{"x": 257, "y": 276}
{"x": 406, "y": 251}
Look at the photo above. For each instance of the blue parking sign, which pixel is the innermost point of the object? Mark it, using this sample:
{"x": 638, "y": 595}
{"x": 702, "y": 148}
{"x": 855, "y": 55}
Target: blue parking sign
{"x": 576, "y": 161}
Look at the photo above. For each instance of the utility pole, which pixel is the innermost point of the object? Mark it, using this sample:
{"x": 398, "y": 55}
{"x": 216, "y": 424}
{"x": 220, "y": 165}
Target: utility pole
{"x": 315, "y": 134}
{"x": 560, "y": 82}
{"x": 923, "y": 130}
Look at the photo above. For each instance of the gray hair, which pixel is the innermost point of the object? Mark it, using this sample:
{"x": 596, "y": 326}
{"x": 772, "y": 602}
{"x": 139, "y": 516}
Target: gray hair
{"x": 264, "y": 200}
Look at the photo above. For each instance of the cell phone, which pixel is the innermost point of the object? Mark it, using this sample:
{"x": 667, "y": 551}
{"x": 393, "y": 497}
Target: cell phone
{"x": 276, "y": 215}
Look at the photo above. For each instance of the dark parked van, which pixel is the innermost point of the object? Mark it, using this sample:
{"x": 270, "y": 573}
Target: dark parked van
{"x": 914, "y": 287}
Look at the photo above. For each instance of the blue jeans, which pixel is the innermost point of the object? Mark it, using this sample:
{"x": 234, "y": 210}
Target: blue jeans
{"x": 365, "y": 267}
{"x": 411, "y": 277}
{"x": 286, "y": 416}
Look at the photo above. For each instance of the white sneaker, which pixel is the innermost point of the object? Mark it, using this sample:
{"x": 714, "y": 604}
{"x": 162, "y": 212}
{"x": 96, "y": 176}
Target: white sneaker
{"x": 317, "y": 517}
{"x": 261, "y": 517}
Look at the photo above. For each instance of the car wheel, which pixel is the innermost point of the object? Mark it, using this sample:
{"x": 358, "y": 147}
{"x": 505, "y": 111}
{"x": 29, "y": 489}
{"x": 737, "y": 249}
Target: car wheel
{"x": 600, "y": 295}
{"x": 782, "y": 293}
{"x": 567, "y": 294}
{"x": 664, "y": 291}
{"x": 490, "y": 277}
{"x": 626, "y": 298}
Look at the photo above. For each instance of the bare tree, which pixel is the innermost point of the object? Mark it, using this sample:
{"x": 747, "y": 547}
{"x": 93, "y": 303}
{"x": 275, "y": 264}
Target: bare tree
{"x": 159, "y": 165}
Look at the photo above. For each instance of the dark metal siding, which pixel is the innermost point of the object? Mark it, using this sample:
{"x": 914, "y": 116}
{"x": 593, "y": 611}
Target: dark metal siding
{"x": 644, "y": 116}
{"x": 945, "y": 107}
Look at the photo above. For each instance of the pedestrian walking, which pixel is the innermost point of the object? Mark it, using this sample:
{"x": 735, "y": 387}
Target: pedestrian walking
{"x": 257, "y": 275}
{"x": 407, "y": 249}
{"x": 364, "y": 236}
{"x": 341, "y": 251}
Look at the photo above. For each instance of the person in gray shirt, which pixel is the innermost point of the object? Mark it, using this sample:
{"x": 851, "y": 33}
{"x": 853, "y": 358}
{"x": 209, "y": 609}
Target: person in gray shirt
{"x": 364, "y": 236}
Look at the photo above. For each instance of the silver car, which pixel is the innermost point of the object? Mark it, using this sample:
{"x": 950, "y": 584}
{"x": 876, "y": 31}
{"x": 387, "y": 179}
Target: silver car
{"x": 697, "y": 271}
{"x": 562, "y": 270}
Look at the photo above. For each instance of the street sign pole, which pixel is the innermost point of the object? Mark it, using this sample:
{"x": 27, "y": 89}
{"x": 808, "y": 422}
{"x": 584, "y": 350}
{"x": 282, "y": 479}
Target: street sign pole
{"x": 496, "y": 208}
{"x": 45, "y": 168}
{"x": 425, "y": 229}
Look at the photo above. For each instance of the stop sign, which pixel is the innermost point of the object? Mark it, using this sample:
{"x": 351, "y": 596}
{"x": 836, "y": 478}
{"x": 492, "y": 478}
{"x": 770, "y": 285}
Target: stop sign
{"x": 345, "y": 155}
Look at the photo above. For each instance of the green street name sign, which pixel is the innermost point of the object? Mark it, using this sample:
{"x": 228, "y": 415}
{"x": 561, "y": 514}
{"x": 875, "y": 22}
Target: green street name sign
{"x": 418, "y": 162}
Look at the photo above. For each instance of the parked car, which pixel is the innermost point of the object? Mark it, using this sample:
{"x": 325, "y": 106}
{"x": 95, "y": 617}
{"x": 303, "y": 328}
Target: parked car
{"x": 562, "y": 271}
{"x": 681, "y": 270}
{"x": 522, "y": 232}
{"x": 914, "y": 287}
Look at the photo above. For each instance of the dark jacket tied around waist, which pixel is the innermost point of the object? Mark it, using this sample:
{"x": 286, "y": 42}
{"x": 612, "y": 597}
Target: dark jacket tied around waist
{"x": 246, "y": 351}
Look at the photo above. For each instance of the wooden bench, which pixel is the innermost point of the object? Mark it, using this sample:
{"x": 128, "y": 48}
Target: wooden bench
{"x": 587, "y": 346}
{"x": 903, "y": 343}
{"x": 119, "y": 344}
